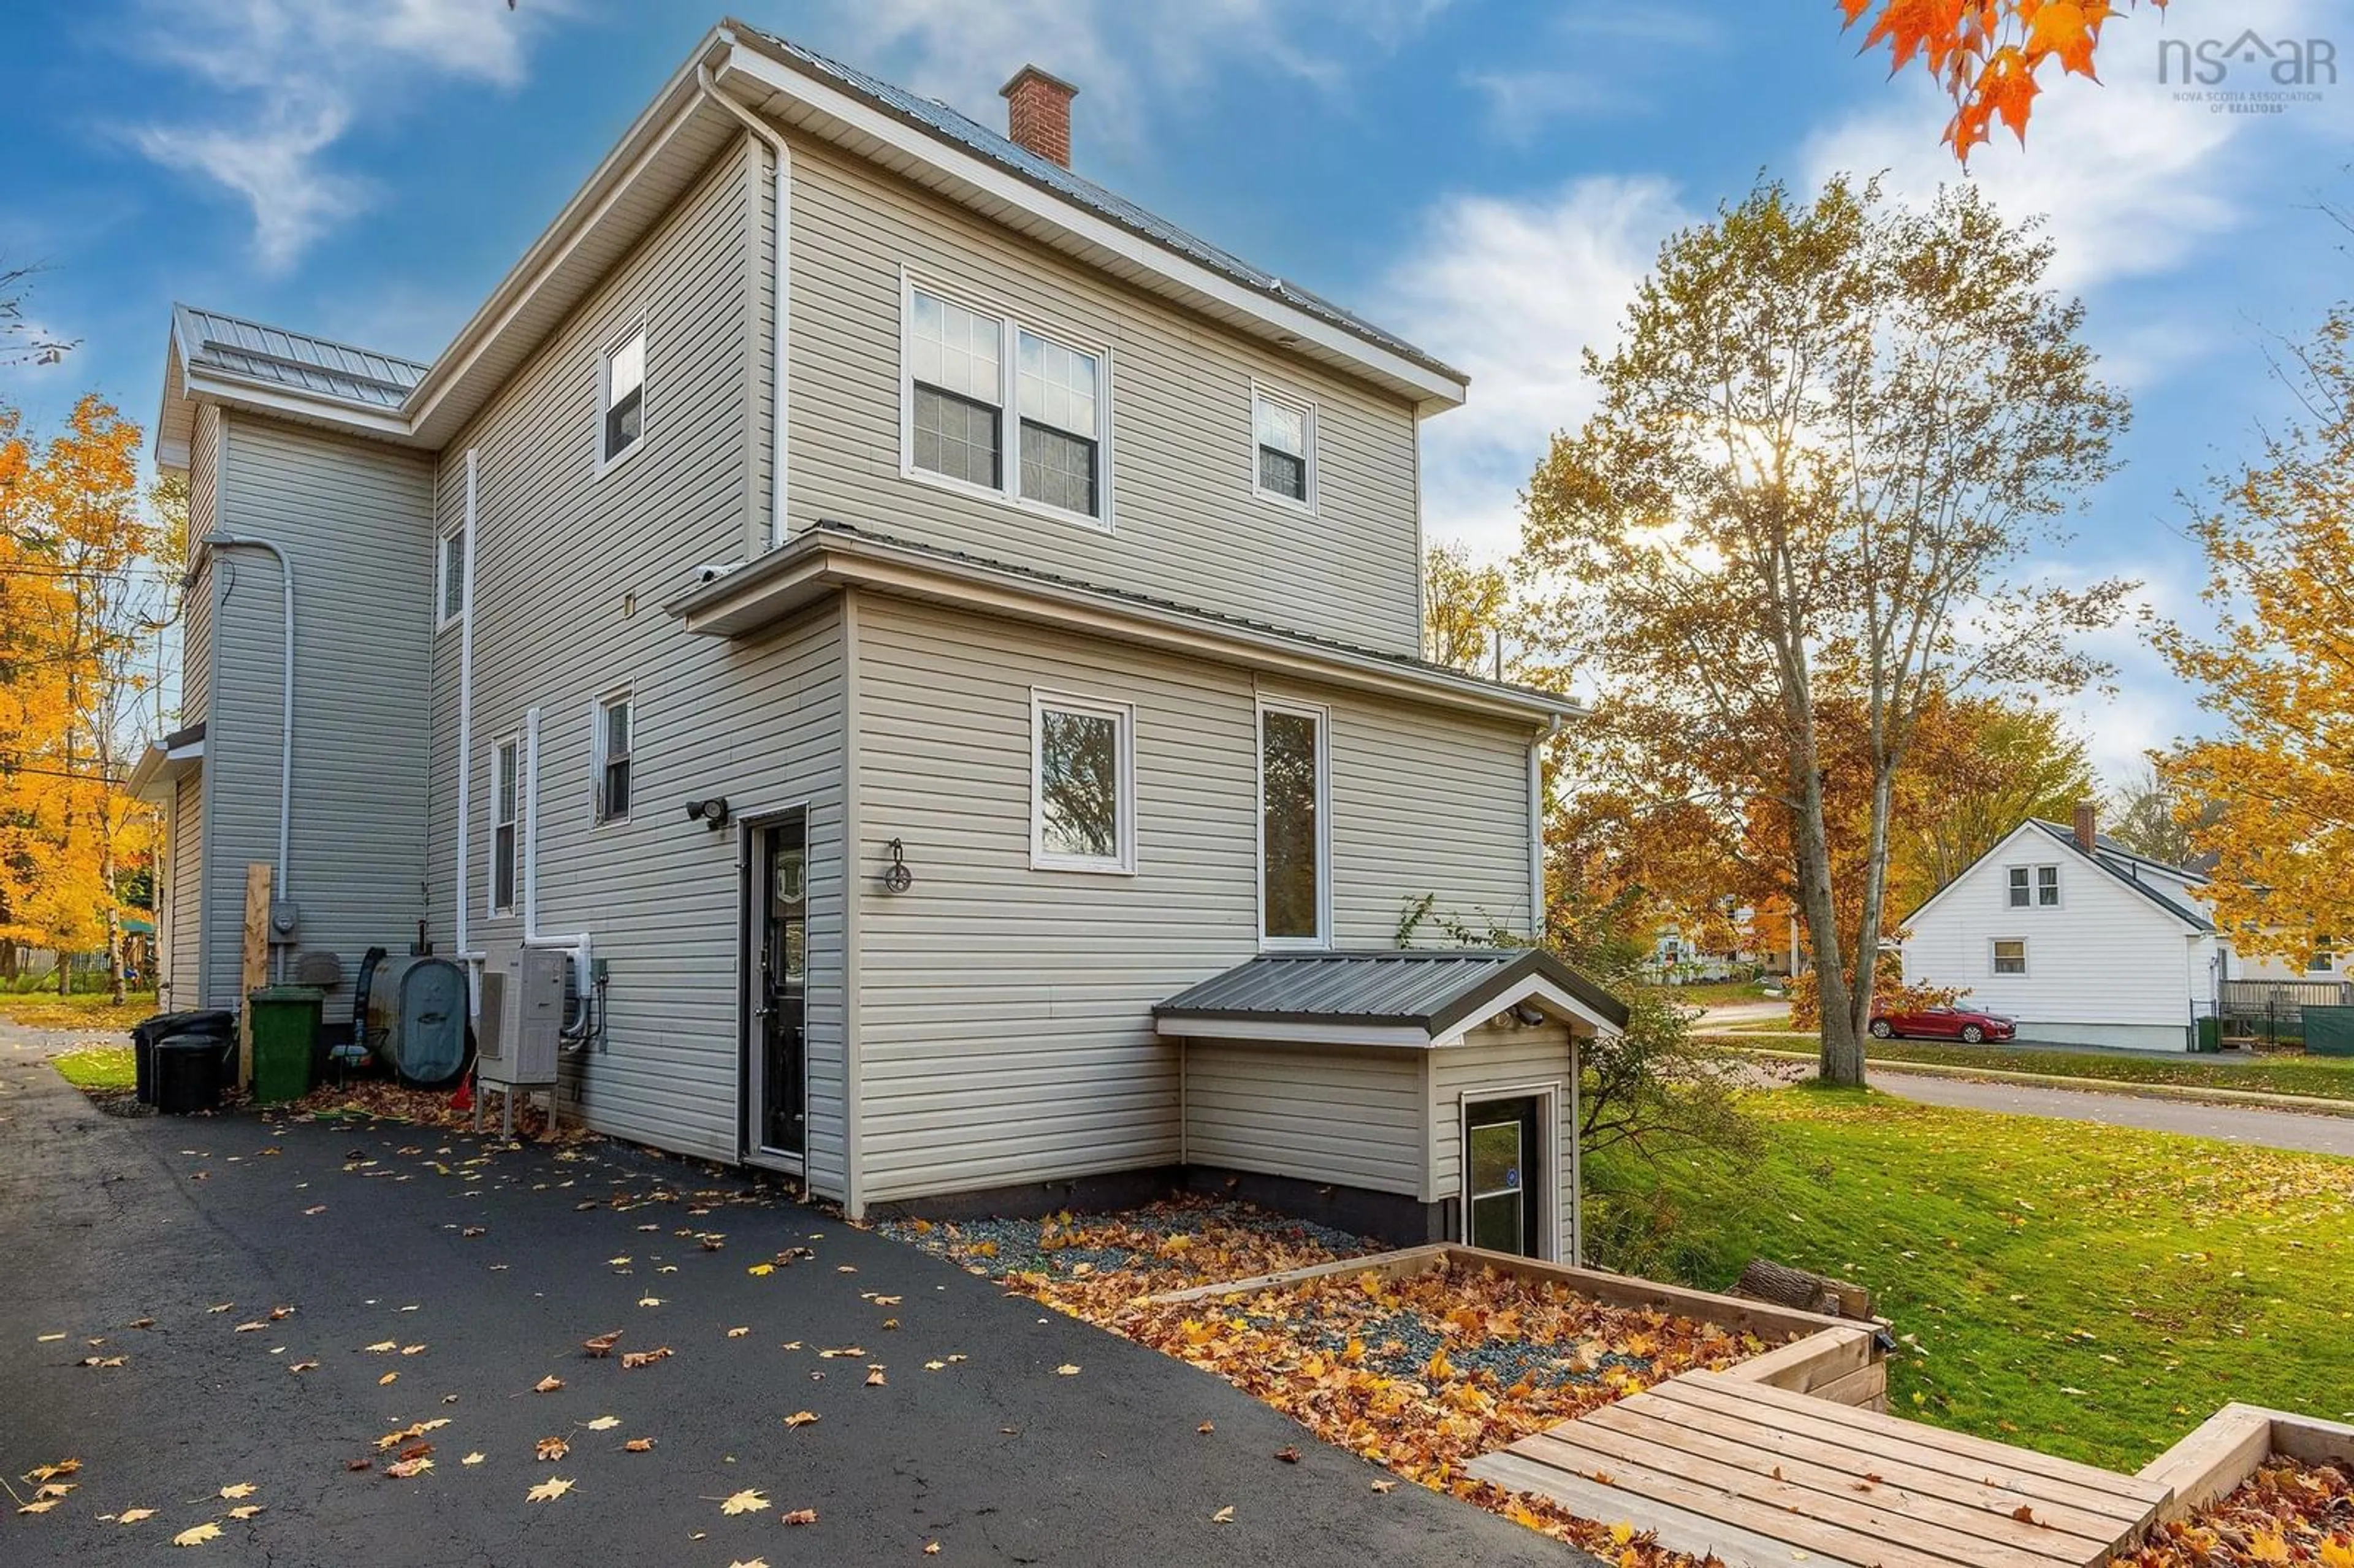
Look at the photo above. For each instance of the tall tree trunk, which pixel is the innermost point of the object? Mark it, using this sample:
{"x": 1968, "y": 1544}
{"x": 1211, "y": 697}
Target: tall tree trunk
{"x": 1841, "y": 1061}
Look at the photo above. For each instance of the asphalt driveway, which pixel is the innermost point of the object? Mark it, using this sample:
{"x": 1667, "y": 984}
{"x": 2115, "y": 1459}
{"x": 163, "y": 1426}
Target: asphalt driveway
{"x": 246, "y": 1274}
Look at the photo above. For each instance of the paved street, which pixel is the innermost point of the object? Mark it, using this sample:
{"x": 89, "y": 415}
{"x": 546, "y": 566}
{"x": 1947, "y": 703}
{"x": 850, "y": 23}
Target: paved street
{"x": 284, "y": 1297}
{"x": 2234, "y": 1124}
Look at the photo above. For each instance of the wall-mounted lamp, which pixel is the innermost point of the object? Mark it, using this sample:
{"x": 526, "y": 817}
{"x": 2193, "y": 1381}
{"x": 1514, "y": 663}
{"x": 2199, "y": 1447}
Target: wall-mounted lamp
{"x": 897, "y": 877}
{"x": 712, "y": 813}
{"x": 1528, "y": 1015}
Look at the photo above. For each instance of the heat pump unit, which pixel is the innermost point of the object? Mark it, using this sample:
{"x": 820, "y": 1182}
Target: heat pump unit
{"x": 522, "y": 1028}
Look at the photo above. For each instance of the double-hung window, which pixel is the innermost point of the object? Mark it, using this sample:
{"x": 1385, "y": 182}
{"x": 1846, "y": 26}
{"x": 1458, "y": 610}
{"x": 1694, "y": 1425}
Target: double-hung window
{"x": 1283, "y": 440}
{"x": 613, "y": 719}
{"x": 2020, "y": 895}
{"x": 1295, "y": 846}
{"x": 2047, "y": 886}
{"x": 623, "y": 399}
{"x": 2010, "y": 956}
{"x": 507, "y": 804}
{"x": 1084, "y": 790}
{"x": 452, "y": 584}
{"x": 968, "y": 370}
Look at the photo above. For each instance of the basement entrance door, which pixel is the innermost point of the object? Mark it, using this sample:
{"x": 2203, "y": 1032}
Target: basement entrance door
{"x": 1503, "y": 1155}
{"x": 781, "y": 988}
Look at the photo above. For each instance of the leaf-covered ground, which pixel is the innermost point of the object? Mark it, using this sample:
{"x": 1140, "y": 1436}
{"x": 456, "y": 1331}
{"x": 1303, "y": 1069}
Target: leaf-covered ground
{"x": 1420, "y": 1375}
{"x": 2285, "y": 1513}
{"x": 100, "y": 1070}
{"x": 82, "y": 1011}
{"x": 2091, "y": 1291}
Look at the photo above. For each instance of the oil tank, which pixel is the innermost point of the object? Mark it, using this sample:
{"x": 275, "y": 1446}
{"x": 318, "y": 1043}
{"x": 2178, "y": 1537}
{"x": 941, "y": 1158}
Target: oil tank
{"x": 416, "y": 1021}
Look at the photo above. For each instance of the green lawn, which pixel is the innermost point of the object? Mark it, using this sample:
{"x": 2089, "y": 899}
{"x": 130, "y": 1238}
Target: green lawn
{"x": 1723, "y": 993}
{"x": 2316, "y": 1077}
{"x": 104, "y": 1070}
{"x": 2091, "y": 1291}
{"x": 83, "y": 1010}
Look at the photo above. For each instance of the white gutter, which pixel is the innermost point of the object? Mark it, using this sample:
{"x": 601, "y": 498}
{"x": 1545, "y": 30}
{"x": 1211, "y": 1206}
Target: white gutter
{"x": 466, "y": 716}
{"x": 217, "y": 540}
{"x": 780, "y": 293}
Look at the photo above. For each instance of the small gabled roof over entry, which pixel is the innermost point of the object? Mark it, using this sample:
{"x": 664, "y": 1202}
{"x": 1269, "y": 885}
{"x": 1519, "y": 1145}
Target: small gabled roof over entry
{"x": 1408, "y": 997}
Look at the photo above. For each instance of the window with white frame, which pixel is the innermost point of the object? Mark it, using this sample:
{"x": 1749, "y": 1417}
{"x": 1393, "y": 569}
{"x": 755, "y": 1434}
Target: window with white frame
{"x": 1084, "y": 790}
{"x": 2047, "y": 886}
{"x": 1294, "y": 880}
{"x": 452, "y": 596}
{"x": 2010, "y": 956}
{"x": 506, "y": 807}
{"x": 966, "y": 368}
{"x": 2021, "y": 894}
{"x": 1283, "y": 437}
{"x": 2325, "y": 956}
{"x": 622, "y": 399}
{"x": 614, "y": 722}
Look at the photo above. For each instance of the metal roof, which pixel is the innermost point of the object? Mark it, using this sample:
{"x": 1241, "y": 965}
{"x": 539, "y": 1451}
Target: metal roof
{"x": 2121, "y": 862}
{"x": 222, "y": 344}
{"x": 1438, "y": 991}
{"x": 932, "y": 115}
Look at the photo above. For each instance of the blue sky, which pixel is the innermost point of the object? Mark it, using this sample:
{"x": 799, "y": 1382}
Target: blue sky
{"x": 1487, "y": 177}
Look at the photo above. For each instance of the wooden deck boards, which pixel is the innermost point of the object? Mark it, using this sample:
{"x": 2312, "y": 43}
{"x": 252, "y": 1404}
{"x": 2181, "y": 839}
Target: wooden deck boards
{"x": 1767, "y": 1478}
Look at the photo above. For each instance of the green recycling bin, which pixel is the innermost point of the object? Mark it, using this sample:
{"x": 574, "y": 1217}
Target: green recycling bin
{"x": 285, "y": 1034}
{"x": 2210, "y": 1034}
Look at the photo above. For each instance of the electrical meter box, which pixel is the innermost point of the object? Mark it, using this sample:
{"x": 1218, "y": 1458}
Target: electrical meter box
{"x": 522, "y": 1027}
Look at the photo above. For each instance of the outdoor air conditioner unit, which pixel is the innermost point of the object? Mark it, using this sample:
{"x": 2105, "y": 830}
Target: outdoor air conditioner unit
{"x": 521, "y": 1033}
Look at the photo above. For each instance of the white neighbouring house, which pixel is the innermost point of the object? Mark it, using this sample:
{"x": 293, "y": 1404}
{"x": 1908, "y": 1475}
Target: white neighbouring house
{"x": 2079, "y": 939}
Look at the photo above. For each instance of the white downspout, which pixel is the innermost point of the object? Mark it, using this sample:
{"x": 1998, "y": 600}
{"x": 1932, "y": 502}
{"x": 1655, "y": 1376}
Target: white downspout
{"x": 780, "y": 241}
{"x": 466, "y": 954}
{"x": 217, "y": 540}
{"x": 1576, "y": 1154}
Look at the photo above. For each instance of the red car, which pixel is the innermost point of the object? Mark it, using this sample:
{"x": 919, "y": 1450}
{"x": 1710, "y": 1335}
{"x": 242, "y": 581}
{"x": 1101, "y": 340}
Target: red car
{"x": 1963, "y": 1023}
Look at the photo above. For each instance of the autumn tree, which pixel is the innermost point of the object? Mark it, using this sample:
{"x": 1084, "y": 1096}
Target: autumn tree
{"x": 2147, "y": 814}
{"x": 1465, "y": 607}
{"x": 1980, "y": 766}
{"x": 2272, "y": 801}
{"x": 22, "y": 339}
{"x": 72, "y": 539}
{"x": 1986, "y": 54}
{"x": 1823, "y": 449}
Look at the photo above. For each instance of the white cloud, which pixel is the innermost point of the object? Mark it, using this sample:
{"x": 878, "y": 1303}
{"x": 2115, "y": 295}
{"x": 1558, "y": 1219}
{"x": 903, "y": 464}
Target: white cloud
{"x": 1117, "y": 52}
{"x": 293, "y": 76}
{"x": 1512, "y": 292}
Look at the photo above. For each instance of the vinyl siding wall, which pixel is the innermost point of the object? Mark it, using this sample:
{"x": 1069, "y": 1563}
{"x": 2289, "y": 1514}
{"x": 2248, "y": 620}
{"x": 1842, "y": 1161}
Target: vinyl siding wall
{"x": 184, "y": 890}
{"x": 2106, "y": 966}
{"x": 196, "y": 630}
{"x": 352, "y": 515}
{"x": 1498, "y": 1061}
{"x": 571, "y": 570}
{"x": 1187, "y": 525}
{"x": 1006, "y": 1012}
{"x": 1352, "y": 1114}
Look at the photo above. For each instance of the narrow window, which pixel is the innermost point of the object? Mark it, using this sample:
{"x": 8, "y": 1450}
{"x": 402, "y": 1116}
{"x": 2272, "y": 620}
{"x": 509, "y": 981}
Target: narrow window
{"x": 506, "y": 800}
{"x": 2018, "y": 897}
{"x": 1058, "y": 399}
{"x": 453, "y": 576}
{"x": 2047, "y": 886}
{"x": 625, "y": 397}
{"x": 614, "y": 759}
{"x": 1085, "y": 786}
{"x": 952, "y": 357}
{"x": 1292, "y": 826}
{"x": 2009, "y": 956}
{"x": 1282, "y": 430}
{"x": 2323, "y": 959}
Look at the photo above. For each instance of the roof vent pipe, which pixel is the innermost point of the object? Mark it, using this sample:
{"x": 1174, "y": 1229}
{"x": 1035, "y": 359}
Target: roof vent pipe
{"x": 1038, "y": 114}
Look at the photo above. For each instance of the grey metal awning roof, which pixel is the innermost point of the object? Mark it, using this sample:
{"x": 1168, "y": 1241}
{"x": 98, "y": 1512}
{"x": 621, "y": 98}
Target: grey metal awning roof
{"x": 276, "y": 356}
{"x": 1392, "y": 996}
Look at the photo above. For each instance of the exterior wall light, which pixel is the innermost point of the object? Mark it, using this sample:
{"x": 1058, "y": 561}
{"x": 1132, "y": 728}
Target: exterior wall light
{"x": 712, "y": 813}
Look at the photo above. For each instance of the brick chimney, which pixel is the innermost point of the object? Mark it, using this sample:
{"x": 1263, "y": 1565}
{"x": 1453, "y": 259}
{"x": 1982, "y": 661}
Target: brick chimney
{"x": 1038, "y": 114}
{"x": 2087, "y": 826}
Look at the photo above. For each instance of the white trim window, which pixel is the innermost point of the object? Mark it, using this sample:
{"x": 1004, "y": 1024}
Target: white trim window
{"x": 964, "y": 365}
{"x": 615, "y": 716}
{"x": 2047, "y": 886}
{"x": 621, "y": 398}
{"x": 450, "y": 581}
{"x": 2032, "y": 887}
{"x": 506, "y": 811}
{"x": 1283, "y": 448}
{"x": 1295, "y": 841}
{"x": 2008, "y": 956}
{"x": 1083, "y": 784}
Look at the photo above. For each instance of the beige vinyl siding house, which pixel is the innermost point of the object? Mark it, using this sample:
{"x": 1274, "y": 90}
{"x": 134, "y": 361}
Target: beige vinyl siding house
{"x": 844, "y": 910}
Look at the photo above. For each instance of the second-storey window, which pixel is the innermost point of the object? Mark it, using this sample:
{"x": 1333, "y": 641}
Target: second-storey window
{"x": 1291, "y": 792}
{"x": 506, "y": 801}
{"x": 2047, "y": 886}
{"x": 1085, "y": 786}
{"x": 1283, "y": 434}
{"x": 1003, "y": 406}
{"x": 624, "y": 399}
{"x": 453, "y": 576}
{"x": 614, "y": 759}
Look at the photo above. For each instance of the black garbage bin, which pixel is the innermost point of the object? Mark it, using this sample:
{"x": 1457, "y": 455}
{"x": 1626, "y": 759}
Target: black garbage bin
{"x": 217, "y": 1022}
{"x": 187, "y": 1074}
